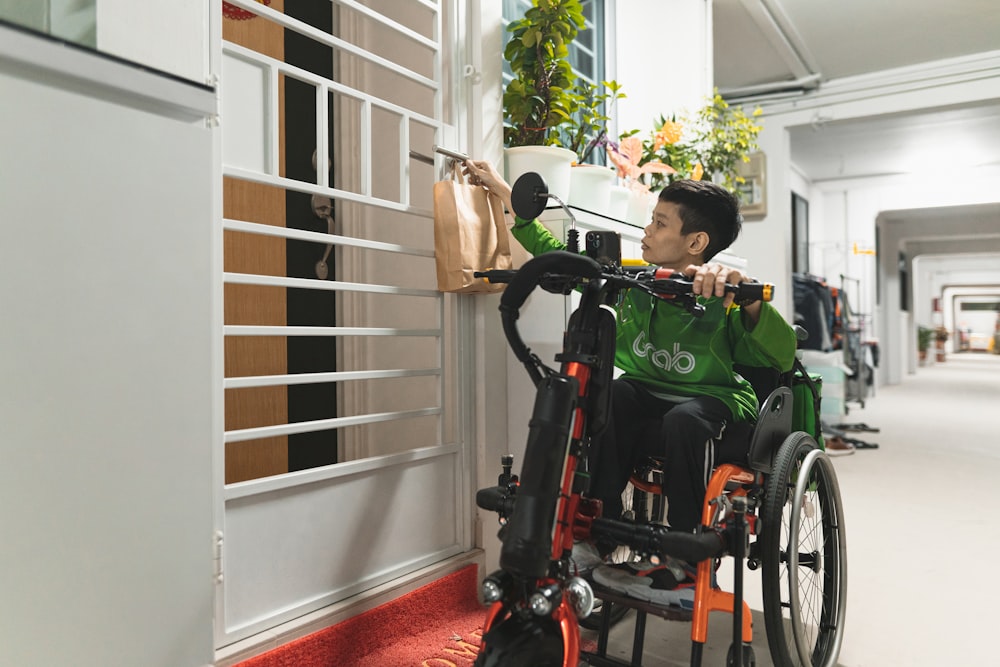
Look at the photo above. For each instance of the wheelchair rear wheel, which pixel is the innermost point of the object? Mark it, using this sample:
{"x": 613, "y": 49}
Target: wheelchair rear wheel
{"x": 804, "y": 557}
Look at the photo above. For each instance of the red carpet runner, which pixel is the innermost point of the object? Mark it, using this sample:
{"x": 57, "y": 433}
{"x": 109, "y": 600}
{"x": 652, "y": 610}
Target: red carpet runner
{"x": 437, "y": 625}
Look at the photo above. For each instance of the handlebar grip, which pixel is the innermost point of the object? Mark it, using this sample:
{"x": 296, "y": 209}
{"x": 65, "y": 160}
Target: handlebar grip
{"x": 496, "y": 276}
{"x": 495, "y": 499}
{"x": 754, "y": 292}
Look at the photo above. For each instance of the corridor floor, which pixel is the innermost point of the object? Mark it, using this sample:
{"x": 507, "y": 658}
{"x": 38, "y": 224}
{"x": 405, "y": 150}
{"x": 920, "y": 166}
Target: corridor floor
{"x": 923, "y": 536}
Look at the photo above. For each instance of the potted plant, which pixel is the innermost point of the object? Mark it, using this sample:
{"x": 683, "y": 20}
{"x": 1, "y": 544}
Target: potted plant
{"x": 712, "y": 143}
{"x": 726, "y": 137}
{"x": 592, "y": 186}
{"x": 537, "y": 100}
{"x": 940, "y": 338}
{"x": 924, "y": 335}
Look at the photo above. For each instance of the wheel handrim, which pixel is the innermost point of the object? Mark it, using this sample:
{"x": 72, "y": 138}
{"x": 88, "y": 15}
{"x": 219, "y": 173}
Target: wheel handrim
{"x": 816, "y": 562}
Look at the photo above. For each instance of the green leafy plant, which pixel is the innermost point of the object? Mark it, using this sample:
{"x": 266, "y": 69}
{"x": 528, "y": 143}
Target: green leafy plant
{"x": 924, "y": 335}
{"x": 590, "y": 107}
{"x": 725, "y": 137}
{"x": 538, "y": 98}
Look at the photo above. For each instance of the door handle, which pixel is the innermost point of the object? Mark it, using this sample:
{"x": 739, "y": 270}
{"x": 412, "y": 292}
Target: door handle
{"x": 323, "y": 208}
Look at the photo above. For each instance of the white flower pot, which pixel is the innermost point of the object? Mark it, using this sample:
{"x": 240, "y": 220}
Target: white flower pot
{"x": 640, "y": 206}
{"x": 551, "y": 162}
{"x": 590, "y": 188}
{"x": 618, "y": 206}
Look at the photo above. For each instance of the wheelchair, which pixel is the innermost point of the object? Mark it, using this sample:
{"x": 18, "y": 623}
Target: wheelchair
{"x": 786, "y": 499}
{"x": 779, "y": 511}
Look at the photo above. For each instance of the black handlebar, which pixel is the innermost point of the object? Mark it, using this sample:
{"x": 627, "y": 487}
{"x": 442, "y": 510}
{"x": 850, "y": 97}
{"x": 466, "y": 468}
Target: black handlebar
{"x": 528, "y": 277}
{"x": 576, "y": 268}
{"x": 561, "y": 271}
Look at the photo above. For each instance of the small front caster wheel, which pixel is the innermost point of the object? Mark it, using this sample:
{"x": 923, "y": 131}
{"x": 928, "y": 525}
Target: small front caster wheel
{"x": 748, "y": 657}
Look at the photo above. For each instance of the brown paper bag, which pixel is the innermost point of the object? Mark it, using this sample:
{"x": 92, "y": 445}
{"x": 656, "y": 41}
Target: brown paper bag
{"x": 469, "y": 235}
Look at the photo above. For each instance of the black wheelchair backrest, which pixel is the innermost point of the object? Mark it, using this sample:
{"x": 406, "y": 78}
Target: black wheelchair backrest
{"x": 774, "y": 423}
{"x": 764, "y": 380}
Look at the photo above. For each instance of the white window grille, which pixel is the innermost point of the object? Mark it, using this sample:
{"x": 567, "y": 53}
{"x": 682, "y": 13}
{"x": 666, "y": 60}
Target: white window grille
{"x": 385, "y": 431}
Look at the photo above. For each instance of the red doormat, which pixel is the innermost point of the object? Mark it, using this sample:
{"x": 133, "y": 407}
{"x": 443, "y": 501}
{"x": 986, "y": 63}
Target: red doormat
{"x": 437, "y": 625}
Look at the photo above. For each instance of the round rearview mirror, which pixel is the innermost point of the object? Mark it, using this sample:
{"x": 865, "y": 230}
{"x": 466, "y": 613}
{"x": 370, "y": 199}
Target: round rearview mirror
{"x": 529, "y": 196}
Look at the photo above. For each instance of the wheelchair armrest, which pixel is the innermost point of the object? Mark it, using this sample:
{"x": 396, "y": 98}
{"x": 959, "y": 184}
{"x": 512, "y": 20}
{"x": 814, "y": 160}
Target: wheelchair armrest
{"x": 774, "y": 423}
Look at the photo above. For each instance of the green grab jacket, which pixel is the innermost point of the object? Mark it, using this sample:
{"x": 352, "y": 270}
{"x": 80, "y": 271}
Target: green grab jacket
{"x": 679, "y": 356}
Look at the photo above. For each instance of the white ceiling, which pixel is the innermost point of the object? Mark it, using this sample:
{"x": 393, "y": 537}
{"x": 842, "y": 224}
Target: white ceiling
{"x": 944, "y": 138}
{"x": 763, "y": 46}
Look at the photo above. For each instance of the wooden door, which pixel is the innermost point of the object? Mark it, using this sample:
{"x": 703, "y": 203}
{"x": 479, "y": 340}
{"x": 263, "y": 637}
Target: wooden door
{"x": 254, "y": 304}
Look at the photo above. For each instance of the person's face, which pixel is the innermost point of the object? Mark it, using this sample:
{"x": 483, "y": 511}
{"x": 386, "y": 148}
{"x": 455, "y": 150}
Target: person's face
{"x": 665, "y": 245}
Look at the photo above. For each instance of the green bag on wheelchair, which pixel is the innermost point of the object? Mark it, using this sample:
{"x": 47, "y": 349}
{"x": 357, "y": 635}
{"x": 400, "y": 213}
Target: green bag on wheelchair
{"x": 807, "y": 393}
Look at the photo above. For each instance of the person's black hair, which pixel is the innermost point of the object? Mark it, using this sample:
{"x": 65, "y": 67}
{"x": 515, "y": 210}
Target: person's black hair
{"x": 707, "y": 207}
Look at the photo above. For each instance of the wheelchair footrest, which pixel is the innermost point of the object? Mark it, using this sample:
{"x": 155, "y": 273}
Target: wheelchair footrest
{"x": 600, "y": 658}
{"x": 669, "y": 612}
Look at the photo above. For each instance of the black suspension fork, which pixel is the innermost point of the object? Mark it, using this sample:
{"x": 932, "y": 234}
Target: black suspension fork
{"x": 581, "y": 345}
{"x": 527, "y": 542}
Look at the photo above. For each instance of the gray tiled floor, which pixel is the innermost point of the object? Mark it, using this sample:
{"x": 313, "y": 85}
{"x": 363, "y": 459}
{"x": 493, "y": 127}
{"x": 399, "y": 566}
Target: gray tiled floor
{"x": 923, "y": 532}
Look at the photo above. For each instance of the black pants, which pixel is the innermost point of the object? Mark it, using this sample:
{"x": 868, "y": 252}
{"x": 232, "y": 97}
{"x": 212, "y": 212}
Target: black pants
{"x": 643, "y": 425}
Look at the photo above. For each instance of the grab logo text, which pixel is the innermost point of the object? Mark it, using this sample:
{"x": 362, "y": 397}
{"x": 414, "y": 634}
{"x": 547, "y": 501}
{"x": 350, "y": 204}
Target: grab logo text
{"x": 679, "y": 361}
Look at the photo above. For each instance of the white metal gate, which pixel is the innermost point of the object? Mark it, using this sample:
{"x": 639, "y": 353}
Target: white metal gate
{"x": 395, "y": 500}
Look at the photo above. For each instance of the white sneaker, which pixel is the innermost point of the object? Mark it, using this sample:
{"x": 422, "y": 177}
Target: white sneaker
{"x": 585, "y": 557}
{"x": 656, "y": 584}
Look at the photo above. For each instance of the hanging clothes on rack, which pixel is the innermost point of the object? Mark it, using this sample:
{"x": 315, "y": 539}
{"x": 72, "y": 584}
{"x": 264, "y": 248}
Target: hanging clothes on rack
{"x": 814, "y": 311}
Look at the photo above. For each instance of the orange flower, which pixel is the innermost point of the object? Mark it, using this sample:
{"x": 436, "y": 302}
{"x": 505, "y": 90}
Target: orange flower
{"x": 697, "y": 172}
{"x": 670, "y": 133}
{"x": 626, "y": 156}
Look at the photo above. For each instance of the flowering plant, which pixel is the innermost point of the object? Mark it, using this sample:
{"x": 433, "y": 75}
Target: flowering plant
{"x": 713, "y": 142}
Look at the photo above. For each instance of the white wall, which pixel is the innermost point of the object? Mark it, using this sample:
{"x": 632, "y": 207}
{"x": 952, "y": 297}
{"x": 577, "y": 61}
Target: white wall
{"x": 767, "y": 243}
{"x": 168, "y": 35}
{"x": 660, "y": 74}
{"x": 106, "y": 363}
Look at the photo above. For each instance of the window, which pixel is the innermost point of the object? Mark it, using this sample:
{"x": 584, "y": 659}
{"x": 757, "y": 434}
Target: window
{"x": 71, "y": 21}
{"x": 800, "y": 234}
{"x": 904, "y": 283}
{"x": 586, "y": 54}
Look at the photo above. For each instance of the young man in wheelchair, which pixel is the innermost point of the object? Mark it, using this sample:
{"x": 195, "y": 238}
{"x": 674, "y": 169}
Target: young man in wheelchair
{"x": 678, "y": 398}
